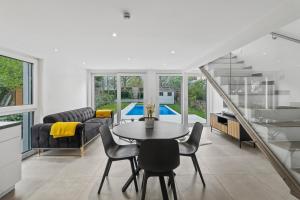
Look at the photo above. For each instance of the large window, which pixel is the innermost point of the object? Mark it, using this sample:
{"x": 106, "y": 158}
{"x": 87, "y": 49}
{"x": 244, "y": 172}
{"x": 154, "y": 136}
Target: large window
{"x": 18, "y": 97}
{"x": 15, "y": 82}
{"x": 178, "y": 97}
{"x": 196, "y": 99}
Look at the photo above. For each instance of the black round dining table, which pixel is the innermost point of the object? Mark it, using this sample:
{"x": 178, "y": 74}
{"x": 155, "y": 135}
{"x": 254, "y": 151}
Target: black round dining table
{"x": 161, "y": 130}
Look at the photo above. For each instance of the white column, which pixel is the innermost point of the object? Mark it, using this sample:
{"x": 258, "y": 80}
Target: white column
{"x": 151, "y": 90}
{"x": 184, "y": 97}
{"x": 118, "y": 98}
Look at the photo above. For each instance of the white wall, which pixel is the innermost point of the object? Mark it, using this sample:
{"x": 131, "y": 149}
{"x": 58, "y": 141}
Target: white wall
{"x": 165, "y": 99}
{"x": 64, "y": 87}
{"x": 214, "y": 100}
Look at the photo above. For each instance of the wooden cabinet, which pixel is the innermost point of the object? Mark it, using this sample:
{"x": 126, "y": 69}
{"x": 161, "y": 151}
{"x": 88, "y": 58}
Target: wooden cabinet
{"x": 215, "y": 123}
{"x": 234, "y": 129}
{"x": 228, "y": 125}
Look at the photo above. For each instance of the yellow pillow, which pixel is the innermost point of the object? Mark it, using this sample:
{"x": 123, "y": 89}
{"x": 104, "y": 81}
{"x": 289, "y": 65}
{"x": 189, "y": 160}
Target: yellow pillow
{"x": 103, "y": 113}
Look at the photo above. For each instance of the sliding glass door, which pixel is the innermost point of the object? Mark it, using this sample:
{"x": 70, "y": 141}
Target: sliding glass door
{"x": 196, "y": 99}
{"x": 170, "y": 98}
{"x": 105, "y": 92}
{"x": 132, "y": 97}
{"x": 122, "y": 93}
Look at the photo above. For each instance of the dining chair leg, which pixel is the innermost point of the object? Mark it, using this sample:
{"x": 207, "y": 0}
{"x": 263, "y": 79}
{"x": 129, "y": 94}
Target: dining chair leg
{"x": 128, "y": 182}
{"x": 199, "y": 170}
{"x": 163, "y": 188}
{"x": 172, "y": 181}
{"x": 107, "y": 172}
{"x": 194, "y": 163}
{"x": 133, "y": 173}
{"x": 135, "y": 162}
{"x": 169, "y": 181}
{"x": 144, "y": 186}
{"x": 104, "y": 175}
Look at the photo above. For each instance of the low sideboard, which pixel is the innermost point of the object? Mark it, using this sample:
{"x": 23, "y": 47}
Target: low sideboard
{"x": 229, "y": 125}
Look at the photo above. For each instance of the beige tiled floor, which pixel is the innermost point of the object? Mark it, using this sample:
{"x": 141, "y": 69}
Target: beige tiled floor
{"x": 229, "y": 172}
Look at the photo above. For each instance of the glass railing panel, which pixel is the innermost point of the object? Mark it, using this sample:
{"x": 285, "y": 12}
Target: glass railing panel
{"x": 262, "y": 80}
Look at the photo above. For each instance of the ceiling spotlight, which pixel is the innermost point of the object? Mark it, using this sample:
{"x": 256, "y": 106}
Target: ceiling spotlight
{"x": 114, "y": 35}
{"x": 55, "y": 50}
{"x": 84, "y": 63}
{"x": 173, "y": 52}
{"x": 129, "y": 59}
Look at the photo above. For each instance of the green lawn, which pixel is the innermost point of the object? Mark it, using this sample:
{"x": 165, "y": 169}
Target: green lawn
{"x": 177, "y": 108}
{"x": 113, "y": 106}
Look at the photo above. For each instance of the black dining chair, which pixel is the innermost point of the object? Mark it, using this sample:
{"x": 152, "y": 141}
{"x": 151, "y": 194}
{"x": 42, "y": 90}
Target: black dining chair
{"x": 143, "y": 118}
{"x": 190, "y": 147}
{"x": 159, "y": 158}
{"x": 117, "y": 152}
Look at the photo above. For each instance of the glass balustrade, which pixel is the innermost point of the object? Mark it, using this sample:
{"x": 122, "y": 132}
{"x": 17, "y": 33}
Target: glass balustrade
{"x": 262, "y": 79}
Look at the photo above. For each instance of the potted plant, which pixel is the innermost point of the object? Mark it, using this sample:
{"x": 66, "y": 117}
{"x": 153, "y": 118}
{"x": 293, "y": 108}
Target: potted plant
{"x": 149, "y": 120}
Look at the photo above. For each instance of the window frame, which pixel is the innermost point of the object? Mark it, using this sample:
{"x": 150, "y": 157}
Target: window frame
{"x": 91, "y": 86}
{"x": 11, "y": 110}
{"x": 8, "y": 110}
{"x": 151, "y": 77}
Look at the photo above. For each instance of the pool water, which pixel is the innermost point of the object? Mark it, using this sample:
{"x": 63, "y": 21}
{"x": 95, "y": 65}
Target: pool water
{"x": 139, "y": 110}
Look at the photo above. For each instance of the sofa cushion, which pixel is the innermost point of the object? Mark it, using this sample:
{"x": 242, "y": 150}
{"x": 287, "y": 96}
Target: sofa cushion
{"x": 78, "y": 115}
{"x": 102, "y": 121}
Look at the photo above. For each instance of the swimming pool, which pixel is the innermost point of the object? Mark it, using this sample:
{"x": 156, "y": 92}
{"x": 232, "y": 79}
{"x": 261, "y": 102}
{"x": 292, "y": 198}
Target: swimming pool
{"x": 139, "y": 110}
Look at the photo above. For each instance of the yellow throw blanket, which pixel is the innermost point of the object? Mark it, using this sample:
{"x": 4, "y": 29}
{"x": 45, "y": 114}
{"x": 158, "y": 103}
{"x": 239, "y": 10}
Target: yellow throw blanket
{"x": 63, "y": 129}
{"x": 103, "y": 113}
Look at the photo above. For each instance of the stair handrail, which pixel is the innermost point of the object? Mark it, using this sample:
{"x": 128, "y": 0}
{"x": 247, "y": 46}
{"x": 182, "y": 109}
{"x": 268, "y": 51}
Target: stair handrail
{"x": 283, "y": 36}
{"x": 276, "y": 163}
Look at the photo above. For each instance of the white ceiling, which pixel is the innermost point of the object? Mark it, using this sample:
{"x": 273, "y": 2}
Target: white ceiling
{"x": 268, "y": 54}
{"x": 82, "y": 30}
{"x": 292, "y": 29}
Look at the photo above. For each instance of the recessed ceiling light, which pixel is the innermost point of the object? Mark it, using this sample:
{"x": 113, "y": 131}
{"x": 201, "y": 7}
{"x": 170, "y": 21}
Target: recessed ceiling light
{"x": 114, "y": 35}
{"x": 173, "y": 52}
{"x": 129, "y": 59}
{"x": 264, "y": 53}
{"x": 84, "y": 63}
{"x": 55, "y": 49}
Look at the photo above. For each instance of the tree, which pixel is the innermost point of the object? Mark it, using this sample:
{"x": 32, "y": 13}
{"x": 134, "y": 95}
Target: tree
{"x": 173, "y": 82}
{"x": 134, "y": 81}
{"x": 197, "y": 90}
{"x": 11, "y": 78}
{"x": 11, "y": 73}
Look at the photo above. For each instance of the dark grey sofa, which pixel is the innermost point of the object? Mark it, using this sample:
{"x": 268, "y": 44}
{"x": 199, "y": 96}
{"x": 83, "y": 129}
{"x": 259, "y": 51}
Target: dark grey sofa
{"x": 85, "y": 132}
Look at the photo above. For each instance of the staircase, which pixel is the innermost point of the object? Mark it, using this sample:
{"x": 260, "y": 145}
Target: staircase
{"x": 254, "y": 98}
